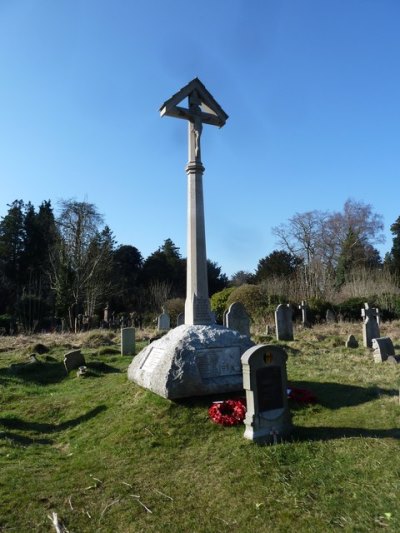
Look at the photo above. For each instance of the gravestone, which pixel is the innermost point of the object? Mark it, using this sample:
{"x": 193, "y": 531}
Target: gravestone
{"x": 284, "y": 323}
{"x": 163, "y": 321}
{"x": 128, "y": 341}
{"x": 180, "y": 319}
{"x": 351, "y": 342}
{"x": 268, "y": 418}
{"x": 304, "y": 321}
{"x": 238, "y": 319}
{"x": 330, "y": 316}
{"x": 383, "y": 349}
{"x": 370, "y": 325}
{"x": 73, "y": 359}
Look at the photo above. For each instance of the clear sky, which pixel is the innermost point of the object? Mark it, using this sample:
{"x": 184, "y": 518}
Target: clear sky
{"x": 311, "y": 88}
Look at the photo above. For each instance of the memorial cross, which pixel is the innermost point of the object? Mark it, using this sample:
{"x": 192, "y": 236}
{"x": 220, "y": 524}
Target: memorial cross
{"x": 202, "y": 109}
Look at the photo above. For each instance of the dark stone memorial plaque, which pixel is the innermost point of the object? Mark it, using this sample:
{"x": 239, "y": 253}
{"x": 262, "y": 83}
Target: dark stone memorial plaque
{"x": 269, "y": 388}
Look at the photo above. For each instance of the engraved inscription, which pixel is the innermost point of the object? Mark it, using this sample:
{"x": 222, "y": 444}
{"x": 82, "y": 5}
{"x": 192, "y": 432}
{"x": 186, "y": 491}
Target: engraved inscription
{"x": 153, "y": 358}
{"x": 218, "y": 362}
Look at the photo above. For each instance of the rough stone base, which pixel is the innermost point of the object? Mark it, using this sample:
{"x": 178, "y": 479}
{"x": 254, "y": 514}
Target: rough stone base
{"x": 191, "y": 361}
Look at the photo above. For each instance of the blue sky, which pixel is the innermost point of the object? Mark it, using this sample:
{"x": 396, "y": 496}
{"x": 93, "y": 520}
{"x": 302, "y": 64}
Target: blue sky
{"x": 311, "y": 88}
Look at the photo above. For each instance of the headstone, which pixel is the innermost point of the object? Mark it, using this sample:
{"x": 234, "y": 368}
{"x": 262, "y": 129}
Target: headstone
{"x": 105, "y": 316}
{"x": 238, "y": 319}
{"x": 127, "y": 341}
{"x": 284, "y": 323}
{"x": 304, "y": 321}
{"x": 370, "y": 325}
{"x": 351, "y": 342}
{"x": 73, "y": 359}
{"x": 180, "y": 319}
{"x": 330, "y": 316}
{"x": 163, "y": 321}
{"x": 383, "y": 348}
{"x": 268, "y": 418}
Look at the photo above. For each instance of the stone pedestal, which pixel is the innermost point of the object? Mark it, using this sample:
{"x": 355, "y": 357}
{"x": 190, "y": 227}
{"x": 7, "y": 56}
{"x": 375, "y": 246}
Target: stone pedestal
{"x": 190, "y": 361}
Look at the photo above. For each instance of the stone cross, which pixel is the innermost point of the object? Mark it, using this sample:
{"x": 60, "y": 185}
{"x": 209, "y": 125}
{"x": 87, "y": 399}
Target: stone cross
{"x": 303, "y": 308}
{"x": 202, "y": 109}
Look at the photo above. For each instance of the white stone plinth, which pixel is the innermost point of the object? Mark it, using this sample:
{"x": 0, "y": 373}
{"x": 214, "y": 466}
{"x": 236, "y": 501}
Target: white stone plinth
{"x": 191, "y": 361}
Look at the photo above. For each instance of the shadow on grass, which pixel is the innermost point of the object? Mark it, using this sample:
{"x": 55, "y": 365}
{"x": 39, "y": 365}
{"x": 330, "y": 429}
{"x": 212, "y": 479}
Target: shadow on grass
{"x": 336, "y": 395}
{"x": 329, "y": 395}
{"x": 43, "y": 427}
{"x": 48, "y": 373}
{"x": 301, "y": 433}
{"x": 22, "y": 440}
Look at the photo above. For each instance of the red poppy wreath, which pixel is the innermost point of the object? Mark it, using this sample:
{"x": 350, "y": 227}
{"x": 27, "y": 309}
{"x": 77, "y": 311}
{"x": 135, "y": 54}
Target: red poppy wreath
{"x": 228, "y": 412}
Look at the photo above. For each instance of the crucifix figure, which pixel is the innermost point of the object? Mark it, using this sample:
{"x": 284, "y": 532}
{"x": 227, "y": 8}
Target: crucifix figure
{"x": 202, "y": 109}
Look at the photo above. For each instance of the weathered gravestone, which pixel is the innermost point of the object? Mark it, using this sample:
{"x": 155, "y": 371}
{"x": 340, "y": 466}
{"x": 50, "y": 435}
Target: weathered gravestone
{"x": 351, "y": 342}
{"x": 384, "y": 350}
{"x": 127, "y": 341}
{"x": 330, "y": 316}
{"x": 163, "y": 321}
{"x": 268, "y": 418}
{"x": 73, "y": 359}
{"x": 180, "y": 319}
{"x": 238, "y": 319}
{"x": 284, "y": 323}
{"x": 370, "y": 325}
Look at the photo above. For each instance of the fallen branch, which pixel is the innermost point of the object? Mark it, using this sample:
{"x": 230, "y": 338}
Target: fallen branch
{"x": 108, "y": 506}
{"x": 141, "y": 503}
{"x": 58, "y": 525}
{"x": 162, "y": 494}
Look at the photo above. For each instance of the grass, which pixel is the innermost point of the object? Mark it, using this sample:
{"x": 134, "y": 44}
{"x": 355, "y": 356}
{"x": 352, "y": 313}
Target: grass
{"x": 107, "y": 455}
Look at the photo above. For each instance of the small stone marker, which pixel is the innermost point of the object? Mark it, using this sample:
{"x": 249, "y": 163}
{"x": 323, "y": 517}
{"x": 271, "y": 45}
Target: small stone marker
{"x": 370, "y": 325}
{"x": 73, "y": 359}
{"x": 383, "y": 349}
{"x": 351, "y": 342}
{"x": 330, "y": 316}
{"x": 180, "y": 319}
{"x": 265, "y": 380}
{"x": 238, "y": 319}
{"x": 163, "y": 321}
{"x": 284, "y": 323}
{"x": 128, "y": 341}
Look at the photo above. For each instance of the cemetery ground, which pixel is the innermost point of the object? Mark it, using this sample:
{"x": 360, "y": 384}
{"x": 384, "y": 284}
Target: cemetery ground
{"x": 106, "y": 455}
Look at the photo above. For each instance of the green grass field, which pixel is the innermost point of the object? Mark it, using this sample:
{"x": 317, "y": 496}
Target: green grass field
{"x": 106, "y": 455}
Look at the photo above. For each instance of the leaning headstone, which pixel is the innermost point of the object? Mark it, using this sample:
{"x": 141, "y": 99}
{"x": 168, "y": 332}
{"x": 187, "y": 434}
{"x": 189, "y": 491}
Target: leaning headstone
{"x": 383, "y": 348}
{"x": 370, "y": 325}
{"x": 180, "y": 319}
{"x": 268, "y": 418}
{"x": 284, "y": 323}
{"x": 73, "y": 359}
{"x": 330, "y": 316}
{"x": 351, "y": 342}
{"x": 238, "y": 319}
{"x": 163, "y": 321}
{"x": 127, "y": 341}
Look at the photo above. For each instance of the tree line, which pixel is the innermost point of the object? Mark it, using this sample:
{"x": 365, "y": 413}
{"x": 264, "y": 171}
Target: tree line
{"x": 69, "y": 265}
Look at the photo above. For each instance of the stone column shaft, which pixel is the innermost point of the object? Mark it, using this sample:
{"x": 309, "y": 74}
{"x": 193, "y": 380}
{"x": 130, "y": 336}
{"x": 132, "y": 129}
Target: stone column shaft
{"x": 197, "y": 305}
